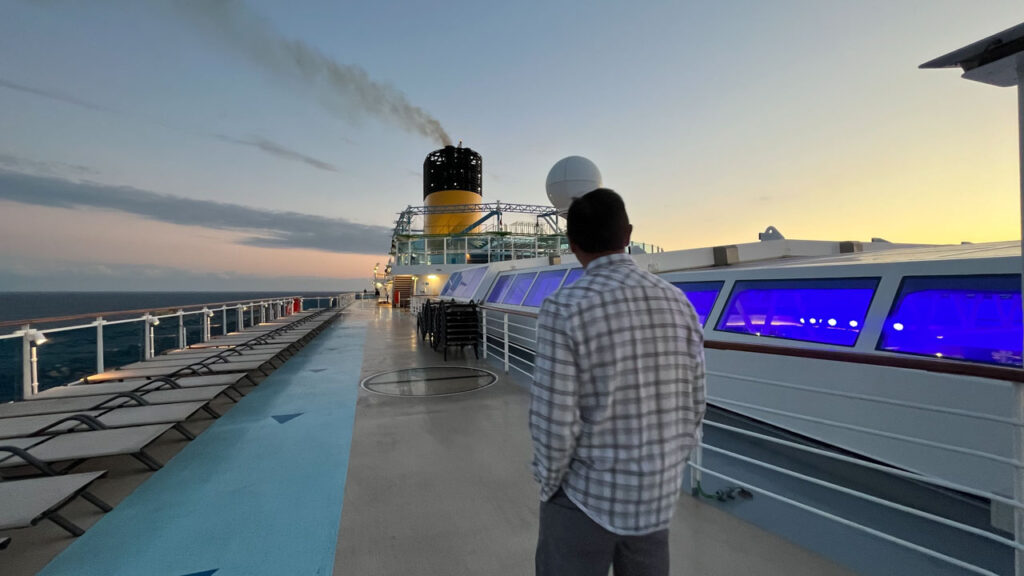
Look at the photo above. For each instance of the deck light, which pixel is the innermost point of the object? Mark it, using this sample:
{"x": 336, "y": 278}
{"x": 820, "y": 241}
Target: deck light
{"x": 37, "y": 338}
{"x": 853, "y": 324}
{"x": 831, "y": 321}
{"x": 897, "y": 326}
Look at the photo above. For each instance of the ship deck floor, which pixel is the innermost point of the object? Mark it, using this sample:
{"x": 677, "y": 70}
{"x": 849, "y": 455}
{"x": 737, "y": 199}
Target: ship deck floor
{"x": 310, "y": 474}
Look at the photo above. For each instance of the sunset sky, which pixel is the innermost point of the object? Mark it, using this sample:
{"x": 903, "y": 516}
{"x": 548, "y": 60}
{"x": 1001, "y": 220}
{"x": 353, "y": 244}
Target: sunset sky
{"x": 267, "y": 145}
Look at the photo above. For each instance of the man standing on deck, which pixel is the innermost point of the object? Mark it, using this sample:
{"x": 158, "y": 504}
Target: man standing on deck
{"x": 617, "y": 404}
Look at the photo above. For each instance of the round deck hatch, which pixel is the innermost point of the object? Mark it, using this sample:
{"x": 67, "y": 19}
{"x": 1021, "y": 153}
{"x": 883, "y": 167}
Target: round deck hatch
{"x": 429, "y": 381}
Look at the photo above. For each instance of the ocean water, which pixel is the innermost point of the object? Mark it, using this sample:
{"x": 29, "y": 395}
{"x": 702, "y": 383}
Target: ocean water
{"x": 70, "y": 355}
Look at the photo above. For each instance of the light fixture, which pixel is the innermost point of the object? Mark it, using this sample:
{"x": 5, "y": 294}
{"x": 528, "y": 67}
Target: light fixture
{"x": 431, "y": 276}
{"x": 897, "y": 326}
{"x": 36, "y": 337}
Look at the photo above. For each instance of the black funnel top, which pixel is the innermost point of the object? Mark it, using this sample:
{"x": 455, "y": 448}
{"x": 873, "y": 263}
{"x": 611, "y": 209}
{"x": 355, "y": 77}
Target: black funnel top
{"x": 453, "y": 168}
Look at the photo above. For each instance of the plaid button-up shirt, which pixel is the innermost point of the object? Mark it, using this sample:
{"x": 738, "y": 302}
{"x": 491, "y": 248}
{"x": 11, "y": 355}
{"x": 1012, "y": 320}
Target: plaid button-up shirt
{"x": 618, "y": 395}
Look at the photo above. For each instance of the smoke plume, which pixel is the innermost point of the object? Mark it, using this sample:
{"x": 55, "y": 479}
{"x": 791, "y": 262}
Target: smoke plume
{"x": 345, "y": 89}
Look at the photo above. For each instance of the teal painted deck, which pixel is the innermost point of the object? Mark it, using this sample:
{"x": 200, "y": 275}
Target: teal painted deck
{"x": 258, "y": 492}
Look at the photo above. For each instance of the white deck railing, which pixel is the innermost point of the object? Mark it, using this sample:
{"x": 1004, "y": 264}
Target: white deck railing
{"x": 33, "y": 333}
{"x": 510, "y": 336}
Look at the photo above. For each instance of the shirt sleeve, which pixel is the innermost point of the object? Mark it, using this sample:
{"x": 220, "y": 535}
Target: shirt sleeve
{"x": 554, "y": 402}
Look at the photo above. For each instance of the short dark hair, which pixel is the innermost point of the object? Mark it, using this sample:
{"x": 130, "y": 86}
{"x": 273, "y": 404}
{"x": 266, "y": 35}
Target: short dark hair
{"x": 597, "y": 221}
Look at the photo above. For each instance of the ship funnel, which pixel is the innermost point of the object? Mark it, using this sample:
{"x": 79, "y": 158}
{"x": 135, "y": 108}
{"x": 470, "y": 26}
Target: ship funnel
{"x": 452, "y": 176}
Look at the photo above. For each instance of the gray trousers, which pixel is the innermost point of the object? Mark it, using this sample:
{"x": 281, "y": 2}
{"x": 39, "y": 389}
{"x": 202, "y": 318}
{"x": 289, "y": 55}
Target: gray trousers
{"x": 571, "y": 544}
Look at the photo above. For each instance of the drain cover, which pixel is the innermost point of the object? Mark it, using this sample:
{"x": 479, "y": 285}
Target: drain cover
{"x": 429, "y": 381}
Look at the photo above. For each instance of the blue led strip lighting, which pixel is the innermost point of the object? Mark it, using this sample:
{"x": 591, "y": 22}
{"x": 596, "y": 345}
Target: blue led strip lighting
{"x": 452, "y": 283}
{"x": 827, "y": 311}
{"x": 517, "y": 291}
{"x": 573, "y": 276}
{"x": 499, "y": 288}
{"x": 547, "y": 282}
{"x": 702, "y": 295}
{"x": 468, "y": 281}
{"x": 972, "y": 318}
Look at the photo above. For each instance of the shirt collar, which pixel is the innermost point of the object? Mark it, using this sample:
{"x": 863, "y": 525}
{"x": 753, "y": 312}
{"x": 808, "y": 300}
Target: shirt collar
{"x": 609, "y": 261}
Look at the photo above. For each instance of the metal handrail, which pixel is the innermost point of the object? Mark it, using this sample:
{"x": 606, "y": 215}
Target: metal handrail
{"x": 840, "y": 520}
{"x": 108, "y": 313}
{"x": 268, "y": 308}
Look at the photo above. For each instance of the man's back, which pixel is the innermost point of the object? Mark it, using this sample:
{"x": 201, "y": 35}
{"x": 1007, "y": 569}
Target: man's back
{"x": 618, "y": 394}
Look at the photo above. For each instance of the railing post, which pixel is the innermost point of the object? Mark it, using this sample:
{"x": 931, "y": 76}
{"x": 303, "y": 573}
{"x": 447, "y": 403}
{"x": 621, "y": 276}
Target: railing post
{"x": 224, "y": 319}
{"x": 99, "y": 344}
{"x": 506, "y": 341}
{"x": 483, "y": 330}
{"x": 26, "y": 363}
{"x": 206, "y": 324}
{"x": 263, "y": 312}
{"x": 240, "y": 317}
{"x": 147, "y": 337}
{"x": 182, "y": 336}
{"x": 695, "y": 458}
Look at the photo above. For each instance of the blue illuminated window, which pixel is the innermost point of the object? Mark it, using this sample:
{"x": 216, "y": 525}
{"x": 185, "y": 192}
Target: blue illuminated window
{"x": 518, "y": 289}
{"x": 499, "y": 288}
{"x": 451, "y": 284}
{"x": 573, "y": 276}
{"x": 547, "y": 282}
{"x": 702, "y": 295}
{"x": 972, "y": 318}
{"x": 829, "y": 311}
{"x": 468, "y": 281}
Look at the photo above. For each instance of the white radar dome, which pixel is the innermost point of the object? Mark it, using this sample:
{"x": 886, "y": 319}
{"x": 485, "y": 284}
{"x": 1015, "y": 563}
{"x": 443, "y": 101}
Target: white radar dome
{"x": 569, "y": 178}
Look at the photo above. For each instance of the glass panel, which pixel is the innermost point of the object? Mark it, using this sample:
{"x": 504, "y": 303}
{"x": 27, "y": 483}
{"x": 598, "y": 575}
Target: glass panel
{"x": 519, "y": 287}
{"x": 468, "y": 282}
{"x": 702, "y": 295}
{"x": 973, "y": 318}
{"x": 547, "y": 282}
{"x": 829, "y": 311}
{"x": 573, "y": 276}
{"x": 449, "y": 286}
{"x": 499, "y": 288}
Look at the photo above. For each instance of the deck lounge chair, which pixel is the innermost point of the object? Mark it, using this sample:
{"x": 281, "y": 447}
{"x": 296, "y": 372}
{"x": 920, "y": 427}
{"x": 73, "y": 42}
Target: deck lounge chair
{"x": 232, "y": 380}
{"x": 27, "y": 502}
{"x": 185, "y": 368}
{"x": 207, "y": 359}
{"x": 44, "y": 452}
{"x": 115, "y": 417}
{"x": 86, "y": 403}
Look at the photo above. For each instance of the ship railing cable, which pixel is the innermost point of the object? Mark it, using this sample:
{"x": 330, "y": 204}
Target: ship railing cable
{"x": 211, "y": 316}
{"x": 510, "y": 337}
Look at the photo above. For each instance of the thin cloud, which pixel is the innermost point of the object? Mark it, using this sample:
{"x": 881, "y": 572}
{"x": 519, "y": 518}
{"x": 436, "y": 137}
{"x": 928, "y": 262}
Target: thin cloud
{"x": 52, "y": 95}
{"x": 266, "y": 228}
{"x": 275, "y": 149}
{"x": 20, "y": 164}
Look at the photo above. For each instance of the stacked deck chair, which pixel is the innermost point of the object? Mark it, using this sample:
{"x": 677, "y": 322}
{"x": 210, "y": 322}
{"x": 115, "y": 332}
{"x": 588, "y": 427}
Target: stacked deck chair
{"x": 122, "y": 412}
